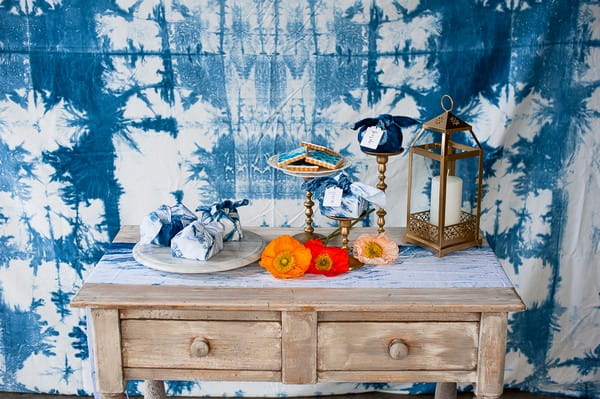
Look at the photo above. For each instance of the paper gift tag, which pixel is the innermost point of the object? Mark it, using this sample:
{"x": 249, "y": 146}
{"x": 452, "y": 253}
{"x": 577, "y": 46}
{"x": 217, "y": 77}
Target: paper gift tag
{"x": 372, "y": 137}
{"x": 333, "y": 196}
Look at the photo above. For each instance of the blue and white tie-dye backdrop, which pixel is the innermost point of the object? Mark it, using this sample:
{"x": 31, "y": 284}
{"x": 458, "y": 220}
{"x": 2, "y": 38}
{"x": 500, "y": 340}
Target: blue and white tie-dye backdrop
{"x": 110, "y": 108}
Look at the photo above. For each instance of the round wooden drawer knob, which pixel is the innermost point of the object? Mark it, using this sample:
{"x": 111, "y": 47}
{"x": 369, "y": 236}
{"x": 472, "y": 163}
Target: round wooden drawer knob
{"x": 200, "y": 347}
{"x": 397, "y": 349}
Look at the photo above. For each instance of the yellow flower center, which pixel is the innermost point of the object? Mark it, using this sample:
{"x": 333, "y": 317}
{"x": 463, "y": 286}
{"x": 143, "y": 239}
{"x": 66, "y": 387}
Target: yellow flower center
{"x": 284, "y": 261}
{"x": 323, "y": 262}
{"x": 373, "y": 250}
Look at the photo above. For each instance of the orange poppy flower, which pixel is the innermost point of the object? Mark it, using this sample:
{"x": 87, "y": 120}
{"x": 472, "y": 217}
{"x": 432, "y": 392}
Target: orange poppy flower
{"x": 329, "y": 261}
{"x": 285, "y": 257}
{"x": 375, "y": 249}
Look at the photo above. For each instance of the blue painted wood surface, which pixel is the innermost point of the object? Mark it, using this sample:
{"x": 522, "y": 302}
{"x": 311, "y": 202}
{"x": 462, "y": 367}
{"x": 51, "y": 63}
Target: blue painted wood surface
{"x": 416, "y": 268}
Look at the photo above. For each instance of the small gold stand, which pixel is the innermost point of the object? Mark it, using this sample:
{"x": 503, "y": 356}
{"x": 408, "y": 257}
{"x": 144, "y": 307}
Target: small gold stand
{"x": 382, "y": 159}
{"x": 308, "y": 233}
{"x": 345, "y": 225}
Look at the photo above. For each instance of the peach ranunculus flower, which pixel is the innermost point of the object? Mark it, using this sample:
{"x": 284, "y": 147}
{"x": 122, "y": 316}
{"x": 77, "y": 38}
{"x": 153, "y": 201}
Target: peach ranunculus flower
{"x": 285, "y": 257}
{"x": 375, "y": 249}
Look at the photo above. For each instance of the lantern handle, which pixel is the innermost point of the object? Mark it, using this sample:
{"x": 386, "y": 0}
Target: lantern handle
{"x": 451, "y": 103}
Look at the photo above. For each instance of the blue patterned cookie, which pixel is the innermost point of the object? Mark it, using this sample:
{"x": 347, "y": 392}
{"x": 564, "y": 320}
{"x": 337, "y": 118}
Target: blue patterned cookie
{"x": 324, "y": 159}
{"x": 286, "y": 158}
{"x": 311, "y": 146}
{"x": 302, "y": 166}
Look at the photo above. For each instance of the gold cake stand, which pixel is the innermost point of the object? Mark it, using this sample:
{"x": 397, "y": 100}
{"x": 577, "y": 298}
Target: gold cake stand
{"x": 382, "y": 160}
{"x": 345, "y": 226}
{"x": 309, "y": 230}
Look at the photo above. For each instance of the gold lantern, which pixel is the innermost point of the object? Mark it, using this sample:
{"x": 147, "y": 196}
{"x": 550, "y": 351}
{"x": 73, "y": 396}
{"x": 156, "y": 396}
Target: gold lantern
{"x": 443, "y": 211}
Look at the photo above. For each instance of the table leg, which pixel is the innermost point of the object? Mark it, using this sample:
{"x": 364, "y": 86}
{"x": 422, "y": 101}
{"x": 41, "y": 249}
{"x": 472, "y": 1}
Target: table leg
{"x": 492, "y": 349}
{"x": 445, "y": 390}
{"x": 112, "y": 395}
{"x": 154, "y": 389}
{"x": 104, "y": 325}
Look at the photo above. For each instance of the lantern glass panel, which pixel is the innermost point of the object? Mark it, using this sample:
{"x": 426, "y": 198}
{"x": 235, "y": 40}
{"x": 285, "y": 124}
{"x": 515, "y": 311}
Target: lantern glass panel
{"x": 468, "y": 170}
{"x": 420, "y": 193}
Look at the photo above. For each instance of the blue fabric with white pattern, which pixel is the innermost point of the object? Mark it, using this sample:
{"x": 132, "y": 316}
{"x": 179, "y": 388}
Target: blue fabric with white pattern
{"x": 109, "y": 109}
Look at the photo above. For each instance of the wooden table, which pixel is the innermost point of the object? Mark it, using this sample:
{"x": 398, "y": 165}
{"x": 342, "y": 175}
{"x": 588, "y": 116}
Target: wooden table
{"x": 424, "y": 319}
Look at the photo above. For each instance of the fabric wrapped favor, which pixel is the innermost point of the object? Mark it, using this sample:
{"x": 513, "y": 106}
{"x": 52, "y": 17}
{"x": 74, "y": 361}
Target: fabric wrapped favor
{"x": 355, "y": 196}
{"x": 198, "y": 241}
{"x": 161, "y": 225}
{"x": 391, "y": 135}
{"x": 226, "y": 213}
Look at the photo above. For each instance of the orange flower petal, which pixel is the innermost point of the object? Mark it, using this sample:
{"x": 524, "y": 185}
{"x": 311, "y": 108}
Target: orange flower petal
{"x": 285, "y": 243}
{"x": 285, "y": 249}
{"x": 303, "y": 257}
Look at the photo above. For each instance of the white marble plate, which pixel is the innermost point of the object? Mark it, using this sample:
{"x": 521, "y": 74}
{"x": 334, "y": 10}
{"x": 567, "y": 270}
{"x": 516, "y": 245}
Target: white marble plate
{"x": 233, "y": 255}
{"x": 272, "y": 161}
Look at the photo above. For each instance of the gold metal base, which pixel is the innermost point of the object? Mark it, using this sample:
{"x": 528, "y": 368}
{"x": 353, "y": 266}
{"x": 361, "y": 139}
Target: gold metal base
{"x": 452, "y": 238}
{"x": 382, "y": 159}
{"x": 304, "y": 237}
{"x": 388, "y": 154}
{"x": 345, "y": 225}
{"x": 437, "y": 251}
{"x": 354, "y": 263}
{"x": 308, "y": 212}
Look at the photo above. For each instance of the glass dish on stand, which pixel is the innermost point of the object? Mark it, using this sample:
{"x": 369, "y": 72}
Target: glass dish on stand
{"x": 308, "y": 232}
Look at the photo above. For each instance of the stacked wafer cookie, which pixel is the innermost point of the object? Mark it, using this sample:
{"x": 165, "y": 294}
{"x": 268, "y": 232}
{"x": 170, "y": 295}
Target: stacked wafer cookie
{"x": 309, "y": 158}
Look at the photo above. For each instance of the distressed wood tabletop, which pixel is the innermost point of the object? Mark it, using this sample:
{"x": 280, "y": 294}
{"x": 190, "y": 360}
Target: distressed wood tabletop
{"x": 468, "y": 280}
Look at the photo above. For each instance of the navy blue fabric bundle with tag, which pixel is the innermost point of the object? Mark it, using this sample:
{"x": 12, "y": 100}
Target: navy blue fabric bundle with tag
{"x": 355, "y": 196}
{"x": 391, "y": 138}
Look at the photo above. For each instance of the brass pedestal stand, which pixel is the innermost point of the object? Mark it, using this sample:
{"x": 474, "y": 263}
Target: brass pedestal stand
{"x": 308, "y": 233}
{"x": 345, "y": 225}
{"x": 382, "y": 159}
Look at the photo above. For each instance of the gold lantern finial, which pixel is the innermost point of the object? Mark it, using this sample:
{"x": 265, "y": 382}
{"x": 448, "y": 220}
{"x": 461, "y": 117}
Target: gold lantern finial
{"x": 447, "y": 122}
{"x": 445, "y": 226}
{"x": 451, "y": 102}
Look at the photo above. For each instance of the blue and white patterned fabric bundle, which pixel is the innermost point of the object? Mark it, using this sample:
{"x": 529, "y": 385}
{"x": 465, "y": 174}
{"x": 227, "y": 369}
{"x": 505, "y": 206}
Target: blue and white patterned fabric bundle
{"x": 355, "y": 197}
{"x": 226, "y": 213}
{"x": 198, "y": 241}
{"x": 391, "y": 132}
{"x": 161, "y": 225}
{"x": 191, "y": 237}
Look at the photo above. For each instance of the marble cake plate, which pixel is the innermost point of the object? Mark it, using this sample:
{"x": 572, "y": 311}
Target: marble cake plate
{"x": 272, "y": 161}
{"x": 233, "y": 255}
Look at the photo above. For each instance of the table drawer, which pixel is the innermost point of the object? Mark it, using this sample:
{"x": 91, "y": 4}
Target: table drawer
{"x": 233, "y": 345}
{"x": 397, "y": 346}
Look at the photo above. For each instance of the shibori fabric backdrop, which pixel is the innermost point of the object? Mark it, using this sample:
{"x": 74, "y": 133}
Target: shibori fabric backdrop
{"x": 110, "y": 108}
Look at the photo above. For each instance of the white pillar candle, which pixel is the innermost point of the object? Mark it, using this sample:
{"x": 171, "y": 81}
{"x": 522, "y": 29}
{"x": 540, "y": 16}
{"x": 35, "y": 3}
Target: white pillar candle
{"x": 453, "y": 200}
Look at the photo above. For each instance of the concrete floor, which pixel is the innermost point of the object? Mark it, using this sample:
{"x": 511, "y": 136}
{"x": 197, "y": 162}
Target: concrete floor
{"x": 507, "y": 395}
